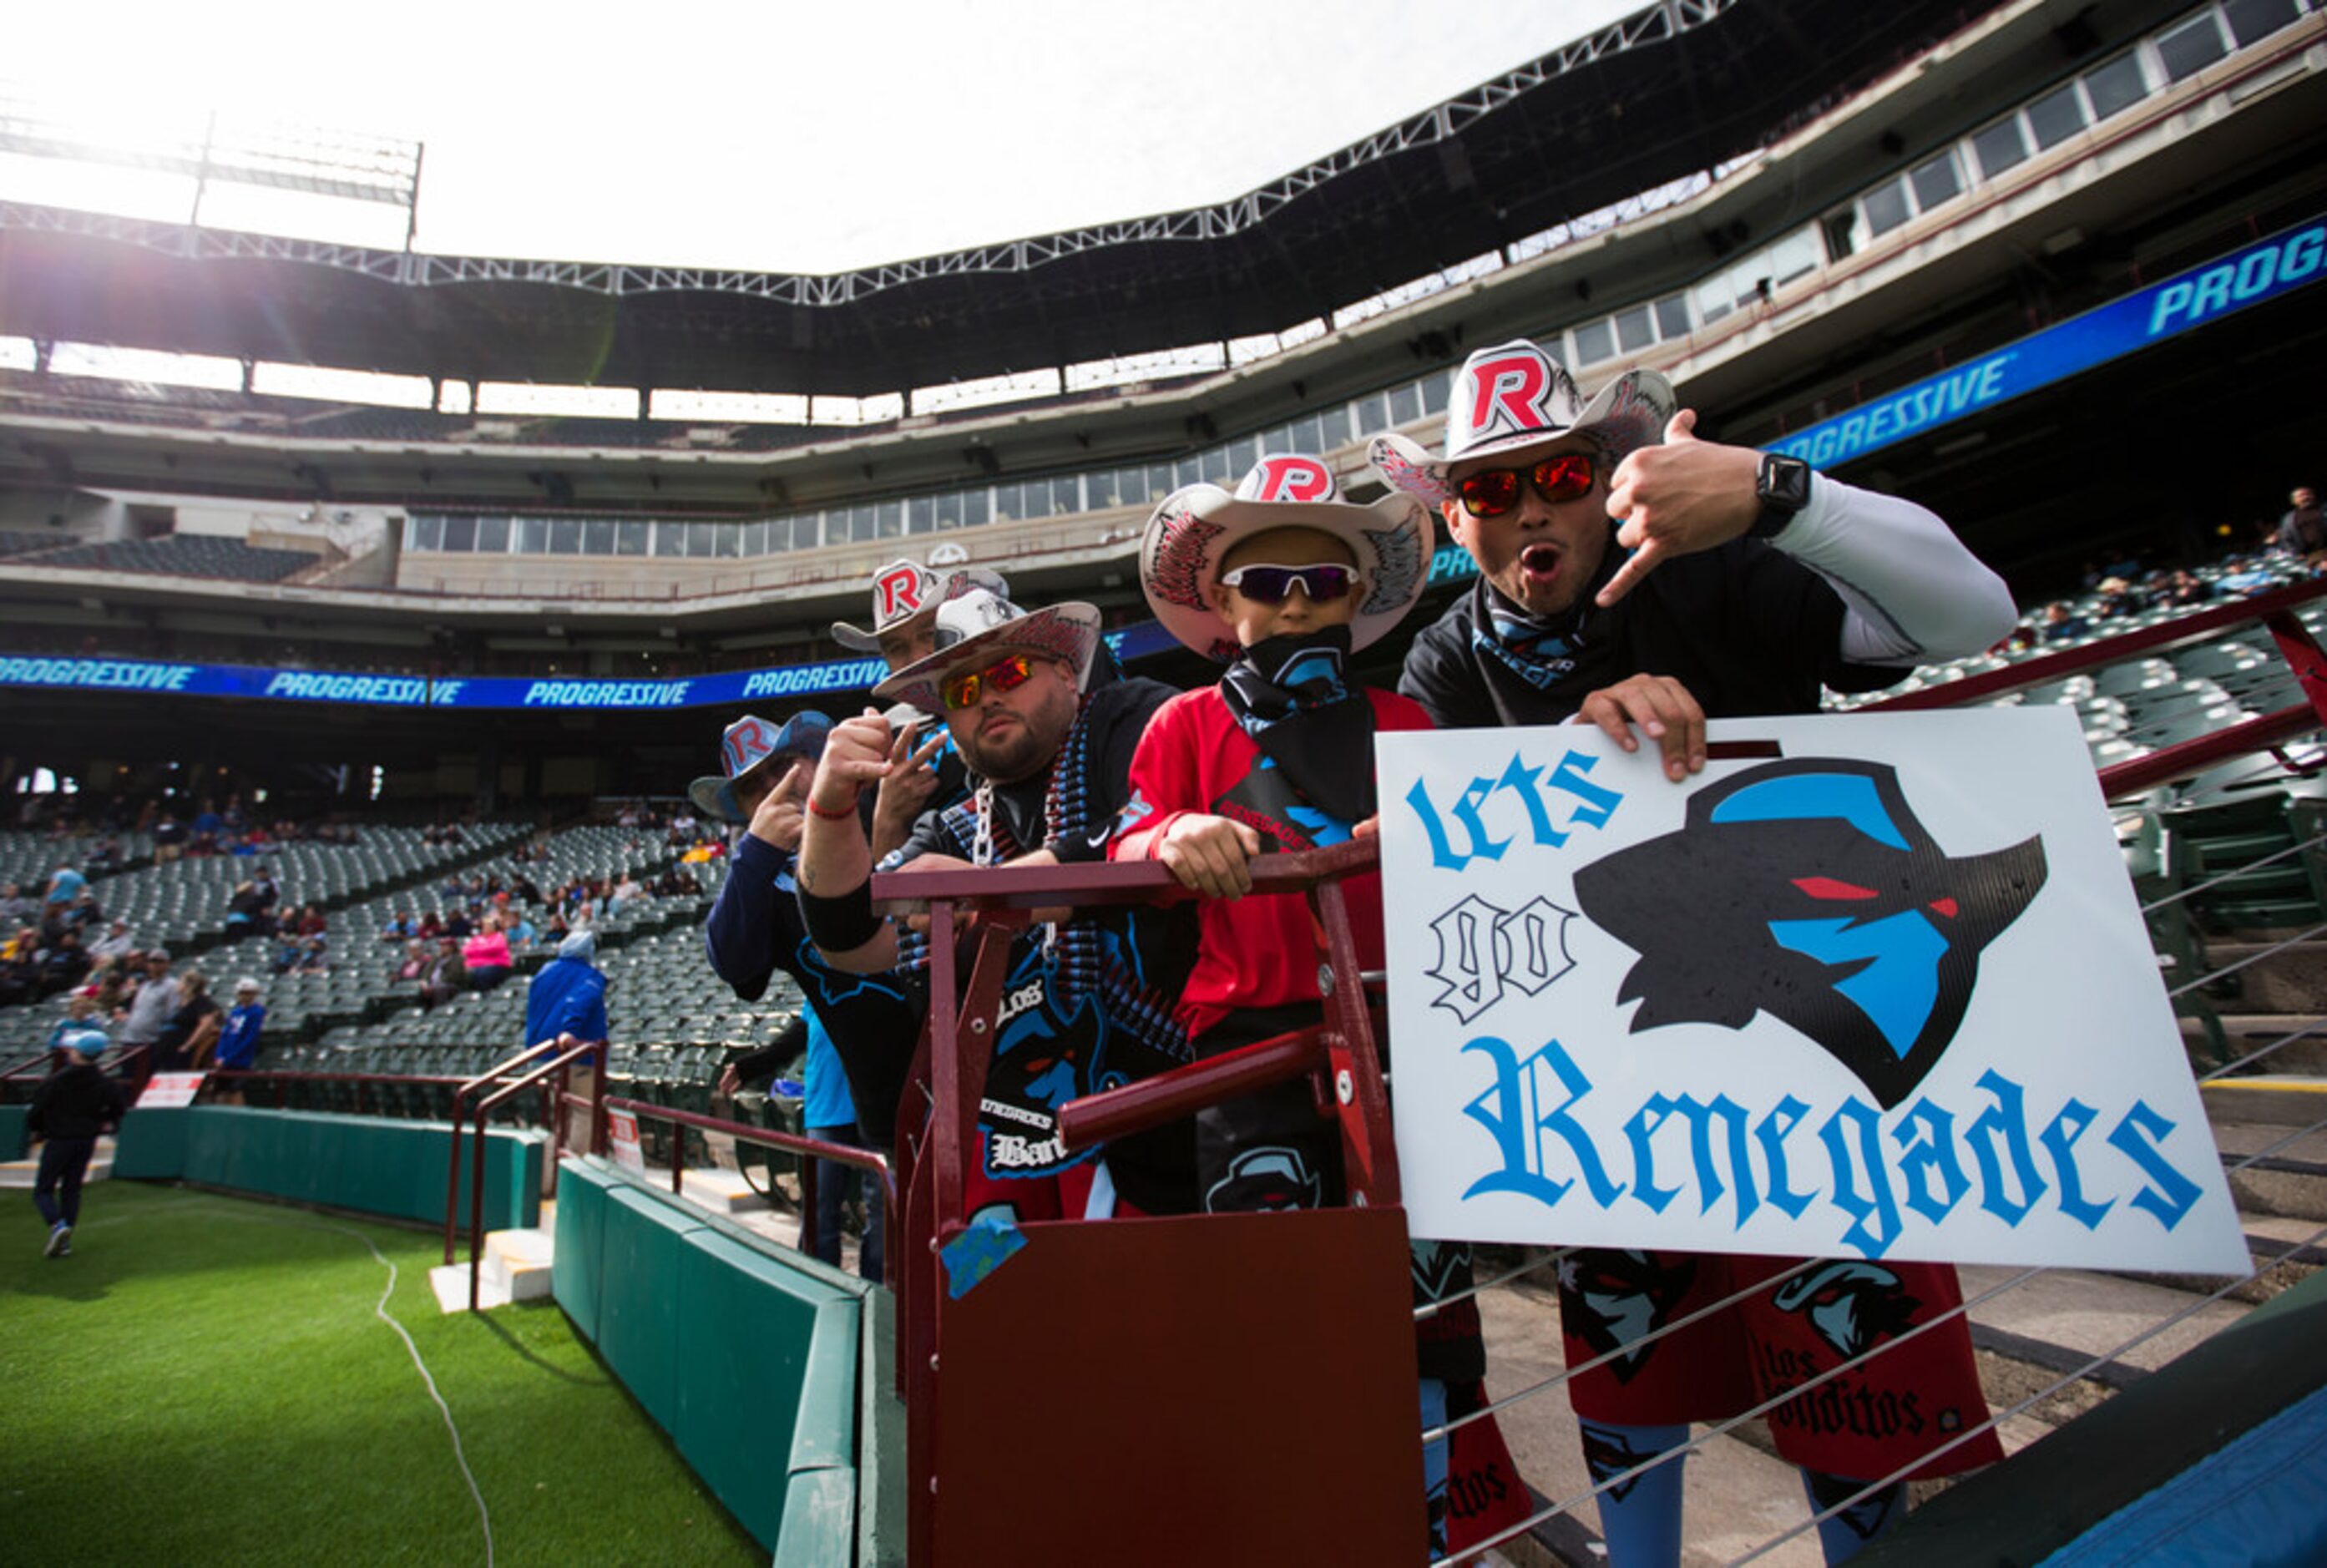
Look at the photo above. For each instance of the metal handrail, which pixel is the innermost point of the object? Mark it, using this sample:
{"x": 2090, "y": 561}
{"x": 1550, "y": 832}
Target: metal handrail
{"x": 460, "y": 1095}
{"x": 575, "y": 1050}
{"x": 767, "y": 1138}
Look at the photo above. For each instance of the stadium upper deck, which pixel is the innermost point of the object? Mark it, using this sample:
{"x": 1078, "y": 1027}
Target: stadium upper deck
{"x": 2040, "y": 160}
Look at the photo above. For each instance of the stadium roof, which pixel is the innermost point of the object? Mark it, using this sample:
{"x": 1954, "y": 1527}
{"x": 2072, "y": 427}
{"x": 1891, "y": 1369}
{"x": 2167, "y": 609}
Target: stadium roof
{"x": 1679, "y": 87}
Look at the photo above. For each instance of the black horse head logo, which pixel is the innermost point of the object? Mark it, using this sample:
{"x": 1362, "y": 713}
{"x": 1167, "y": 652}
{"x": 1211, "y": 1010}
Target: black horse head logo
{"x": 1808, "y": 890}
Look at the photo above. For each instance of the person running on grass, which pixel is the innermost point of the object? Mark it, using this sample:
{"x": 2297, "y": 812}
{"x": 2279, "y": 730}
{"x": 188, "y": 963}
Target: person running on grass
{"x": 72, "y": 1108}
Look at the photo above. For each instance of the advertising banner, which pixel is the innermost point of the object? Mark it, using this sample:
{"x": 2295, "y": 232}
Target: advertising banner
{"x": 1877, "y": 989}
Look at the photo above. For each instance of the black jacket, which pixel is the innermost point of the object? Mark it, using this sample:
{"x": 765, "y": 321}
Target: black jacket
{"x": 75, "y": 1102}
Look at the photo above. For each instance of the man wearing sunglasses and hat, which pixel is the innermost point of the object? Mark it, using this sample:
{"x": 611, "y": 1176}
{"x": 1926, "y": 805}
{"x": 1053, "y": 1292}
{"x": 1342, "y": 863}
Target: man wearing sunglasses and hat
{"x": 1631, "y": 574}
{"x": 1048, "y": 748}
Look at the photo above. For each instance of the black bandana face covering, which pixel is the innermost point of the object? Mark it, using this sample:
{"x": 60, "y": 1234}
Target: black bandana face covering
{"x": 1293, "y": 695}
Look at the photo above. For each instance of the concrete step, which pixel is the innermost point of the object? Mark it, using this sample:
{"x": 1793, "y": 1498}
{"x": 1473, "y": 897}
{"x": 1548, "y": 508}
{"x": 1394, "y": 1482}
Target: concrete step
{"x": 2290, "y": 978}
{"x": 2294, "y": 1042}
{"x": 24, "y": 1174}
{"x": 720, "y": 1191}
{"x": 2287, "y": 1099}
{"x": 515, "y": 1268}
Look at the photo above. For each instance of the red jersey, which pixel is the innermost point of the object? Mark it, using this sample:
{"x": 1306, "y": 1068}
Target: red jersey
{"x": 1260, "y": 950}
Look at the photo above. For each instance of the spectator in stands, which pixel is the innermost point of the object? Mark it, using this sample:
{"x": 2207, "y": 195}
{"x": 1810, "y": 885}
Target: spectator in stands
{"x": 73, "y": 1108}
{"x": 1751, "y": 583}
{"x": 2303, "y": 531}
{"x": 151, "y": 1008}
{"x": 242, "y": 914}
{"x": 236, "y": 1046}
{"x": 65, "y": 884}
{"x": 458, "y": 923}
{"x": 19, "y": 969}
{"x": 431, "y": 926}
{"x": 568, "y": 996}
{"x": 446, "y": 976}
{"x": 487, "y": 958}
{"x": 81, "y": 1012}
{"x": 113, "y": 984}
{"x": 191, "y": 1026}
{"x": 2063, "y": 625}
{"x": 169, "y": 838}
{"x": 116, "y": 943}
{"x": 683, "y": 828}
{"x": 105, "y": 854}
{"x": 400, "y": 927}
{"x": 623, "y": 894}
{"x": 15, "y": 907}
{"x": 62, "y": 963}
{"x": 415, "y": 961}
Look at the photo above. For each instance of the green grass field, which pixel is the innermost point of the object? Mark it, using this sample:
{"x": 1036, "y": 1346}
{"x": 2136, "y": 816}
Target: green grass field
{"x": 204, "y": 1380}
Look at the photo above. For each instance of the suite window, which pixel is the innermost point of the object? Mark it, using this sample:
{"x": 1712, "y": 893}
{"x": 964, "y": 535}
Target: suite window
{"x": 1936, "y": 182}
{"x": 1405, "y": 404}
{"x": 598, "y": 537}
{"x": 921, "y": 515}
{"x": 1672, "y": 316}
{"x": 2252, "y": 19}
{"x": 2117, "y": 86}
{"x": 1634, "y": 330}
{"x": 1999, "y": 147}
{"x": 2056, "y": 117}
{"x": 1841, "y": 230}
{"x": 460, "y": 534}
{"x": 726, "y": 539}
{"x": 425, "y": 534}
{"x": 1595, "y": 342}
{"x": 1886, "y": 207}
{"x": 2191, "y": 47}
{"x": 974, "y": 508}
{"x": 1373, "y": 414}
{"x": 1435, "y": 391}
{"x": 889, "y": 519}
{"x": 1066, "y": 496}
{"x": 565, "y": 536}
{"x": 1333, "y": 427}
{"x": 1216, "y": 468}
{"x": 492, "y": 536}
{"x": 532, "y": 535}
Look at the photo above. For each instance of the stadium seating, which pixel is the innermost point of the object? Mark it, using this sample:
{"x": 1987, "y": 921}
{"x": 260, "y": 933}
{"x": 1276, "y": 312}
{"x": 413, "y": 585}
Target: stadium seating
{"x": 184, "y": 555}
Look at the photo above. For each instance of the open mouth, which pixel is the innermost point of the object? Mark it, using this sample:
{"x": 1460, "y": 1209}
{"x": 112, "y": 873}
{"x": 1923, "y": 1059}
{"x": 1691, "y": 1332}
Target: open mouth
{"x": 1539, "y": 563}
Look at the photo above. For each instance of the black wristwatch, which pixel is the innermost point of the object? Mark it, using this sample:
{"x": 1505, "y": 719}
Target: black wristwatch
{"x": 1783, "y": 489}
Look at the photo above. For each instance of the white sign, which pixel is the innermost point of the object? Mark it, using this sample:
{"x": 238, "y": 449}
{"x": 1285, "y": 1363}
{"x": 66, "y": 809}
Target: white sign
{"x": 1884, "y": 993}
{"x": 169, "y": 1089}
{"x": 623, "y": 1134}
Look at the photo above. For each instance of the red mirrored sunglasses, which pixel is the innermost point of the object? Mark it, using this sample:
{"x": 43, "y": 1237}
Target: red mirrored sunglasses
{"x": 1492, "y": 491}
{"x": 964, "y": 690}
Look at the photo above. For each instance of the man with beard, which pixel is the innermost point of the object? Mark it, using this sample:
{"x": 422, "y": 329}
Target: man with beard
{"x": 1750, "y": 584}
{"x": 1048, "y": 749}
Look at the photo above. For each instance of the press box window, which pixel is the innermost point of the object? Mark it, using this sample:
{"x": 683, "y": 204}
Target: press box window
{"x": 633, "y": 539}
{"x": 425, "y": 534}
{"x": 1595, "y": 342}
{"x": 460, "y": 534}
{"x": 492, "y": 536}
{"x": 1672, "y": 316}
{"x": 1936, "y": 182}
{"x": 1633, "y": 330}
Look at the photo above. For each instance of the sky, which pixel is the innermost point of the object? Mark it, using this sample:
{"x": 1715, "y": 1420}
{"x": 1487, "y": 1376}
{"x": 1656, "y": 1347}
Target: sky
{"x": 774, "y": 136}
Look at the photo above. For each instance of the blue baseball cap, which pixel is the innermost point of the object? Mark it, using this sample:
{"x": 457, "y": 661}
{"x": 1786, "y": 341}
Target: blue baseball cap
{"x": 746, "y": 744}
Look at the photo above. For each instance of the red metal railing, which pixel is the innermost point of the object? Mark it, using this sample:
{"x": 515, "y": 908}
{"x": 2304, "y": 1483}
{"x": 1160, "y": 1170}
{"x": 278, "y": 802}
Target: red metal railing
{"x": 460, "y": 1097}
{"x": 555, "y": 1066}
{"x": 936, "y": 1129}
{"x": 2276, "y": 610}
{"x": 766, "y": 1138}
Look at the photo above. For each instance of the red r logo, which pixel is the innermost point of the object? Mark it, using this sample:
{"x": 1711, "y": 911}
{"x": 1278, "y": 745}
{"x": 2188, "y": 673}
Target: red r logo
{"x": 1510, "y": 390}
{"x": 898, "y": 594}
{"x": 745, "y": 741}
{"x": 1289, "y": 479}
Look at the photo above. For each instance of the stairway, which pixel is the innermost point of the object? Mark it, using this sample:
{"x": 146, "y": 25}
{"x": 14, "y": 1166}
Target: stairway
{"x": 20, "y": 1174}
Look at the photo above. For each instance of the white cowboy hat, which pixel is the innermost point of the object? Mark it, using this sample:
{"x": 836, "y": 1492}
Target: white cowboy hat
{"x": 903, "y": 589}
{"x": 1195, "y": 527}
{"x": 977, "y": 621}
{"x": 1515, "y": 396}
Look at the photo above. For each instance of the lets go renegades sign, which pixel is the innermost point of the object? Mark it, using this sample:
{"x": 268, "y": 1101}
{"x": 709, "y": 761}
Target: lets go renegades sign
{"x": 1883, "y": 994}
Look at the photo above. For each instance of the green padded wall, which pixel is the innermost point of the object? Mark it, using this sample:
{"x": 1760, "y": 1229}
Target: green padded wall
{"x": 767, "y": 1385}
{"x": 366, "y": 1163}
{"x": 638, "y": 1301}
{"x": 576, "y": 1264}
{"x": 11, "y": 1132}
{"x": 152, "y": 1143}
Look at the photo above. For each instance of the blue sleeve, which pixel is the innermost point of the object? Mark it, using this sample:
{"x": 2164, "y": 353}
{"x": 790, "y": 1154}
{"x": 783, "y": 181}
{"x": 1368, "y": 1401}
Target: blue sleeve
{"x": 592, "y": 1024}
{"x": 754, "y": 926}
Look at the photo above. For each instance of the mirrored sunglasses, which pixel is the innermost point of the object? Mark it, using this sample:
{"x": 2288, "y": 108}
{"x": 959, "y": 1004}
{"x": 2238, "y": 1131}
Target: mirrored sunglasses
{"x": 967, "y": 689}
{"x": 1272, "y": 584}
{"x": 1492, "y": 491}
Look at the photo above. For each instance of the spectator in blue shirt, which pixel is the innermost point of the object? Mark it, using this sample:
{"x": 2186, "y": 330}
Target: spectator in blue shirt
{"x": 236, "y": 1046}
{"x": 568, "y": 996}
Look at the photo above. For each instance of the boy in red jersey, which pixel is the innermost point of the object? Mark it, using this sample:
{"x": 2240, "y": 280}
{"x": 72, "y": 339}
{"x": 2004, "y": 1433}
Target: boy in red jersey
{"x": 1284, "y": 581}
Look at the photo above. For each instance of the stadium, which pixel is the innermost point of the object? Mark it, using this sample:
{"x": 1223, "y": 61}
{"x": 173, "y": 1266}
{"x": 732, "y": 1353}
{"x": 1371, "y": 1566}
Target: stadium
{"x": 433, "y": 579}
